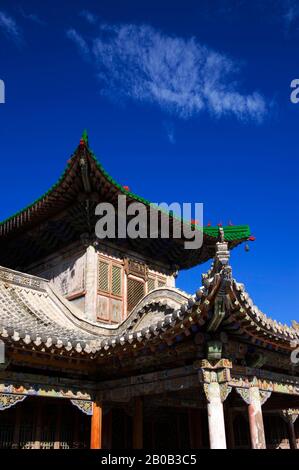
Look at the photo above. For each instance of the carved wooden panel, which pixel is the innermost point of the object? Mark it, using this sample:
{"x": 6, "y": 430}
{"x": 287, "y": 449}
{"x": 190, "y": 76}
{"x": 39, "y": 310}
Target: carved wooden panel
{"x": 103, "y": 308}
{"x": 136, "y": 268}
{"x": 116, "y": 310}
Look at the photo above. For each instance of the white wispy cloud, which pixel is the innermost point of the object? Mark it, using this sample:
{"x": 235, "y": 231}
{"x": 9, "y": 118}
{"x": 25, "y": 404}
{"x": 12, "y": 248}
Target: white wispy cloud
{"x": 10, "y": 28}
{"x": 81, "y": 44}
{"x": 290, "y": 12}
{"x": 88, "y": 16}
{"x": 179, "y": 75}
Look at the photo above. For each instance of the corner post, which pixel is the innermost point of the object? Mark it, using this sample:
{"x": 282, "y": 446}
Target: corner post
{"x": 215, "y": 376}
{"x": 290, "y": 416}
{"x": 96, "y": 425}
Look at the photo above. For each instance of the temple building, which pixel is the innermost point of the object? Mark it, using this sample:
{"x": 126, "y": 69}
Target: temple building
{"x": 100, "y": 349}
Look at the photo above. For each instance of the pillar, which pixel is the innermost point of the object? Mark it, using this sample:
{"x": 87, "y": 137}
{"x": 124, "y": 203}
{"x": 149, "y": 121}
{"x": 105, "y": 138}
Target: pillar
{"x": 290, "y": 417}
{"x": 215, "y": 417}
{"x": 292, "y": 435}
{"x": 255, "y": 399}
{"x": 256, "y": 423}
{"x": 138, "y": 424}
{"x": 215, "y": 375}
{"x": 96, "y": 426}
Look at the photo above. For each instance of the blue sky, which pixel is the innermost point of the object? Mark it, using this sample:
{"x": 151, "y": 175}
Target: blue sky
{"x": 184, "y": 101}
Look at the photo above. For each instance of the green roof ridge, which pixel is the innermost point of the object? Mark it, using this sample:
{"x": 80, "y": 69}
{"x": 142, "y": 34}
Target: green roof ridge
{"x": 85, "y": 136}
{"x": 229, "y": 231}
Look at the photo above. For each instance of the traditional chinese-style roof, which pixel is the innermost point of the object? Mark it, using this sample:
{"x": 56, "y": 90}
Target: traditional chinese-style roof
{"x": 66, "y": 213}
{"x": 34, "y": 317}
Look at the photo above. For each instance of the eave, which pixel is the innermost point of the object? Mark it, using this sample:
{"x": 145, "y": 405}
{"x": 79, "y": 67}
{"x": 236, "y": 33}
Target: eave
{"x": 66, "y": 212}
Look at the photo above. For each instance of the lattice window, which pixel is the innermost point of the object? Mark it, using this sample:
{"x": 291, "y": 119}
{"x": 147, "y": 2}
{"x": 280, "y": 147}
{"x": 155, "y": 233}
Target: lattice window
{"x": 116, "y": 280}
{"x": 103, "y": 279}
{"x": 155, "y": 281}
{"x": 151, "y": 284}
{"x": 110, "y": 287}
{"x": 135, "y": 292}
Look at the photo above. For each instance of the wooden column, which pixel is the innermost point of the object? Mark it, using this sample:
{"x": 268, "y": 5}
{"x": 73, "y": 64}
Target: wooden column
{"x": 290, "y": 416}
{"x": 138, "y": 424}
{"x": 292, "y": 435}
{"x": 215, "y": 374}
{"x": 256, "y": 423}
{"x": 255, "y": 399}
{"x": 215, "y": 417}
{"x": 96, "y": 426}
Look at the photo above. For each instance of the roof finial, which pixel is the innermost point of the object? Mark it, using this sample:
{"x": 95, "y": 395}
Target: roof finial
{"x": 85, "y": 137}
{"x": 222, "y": 250}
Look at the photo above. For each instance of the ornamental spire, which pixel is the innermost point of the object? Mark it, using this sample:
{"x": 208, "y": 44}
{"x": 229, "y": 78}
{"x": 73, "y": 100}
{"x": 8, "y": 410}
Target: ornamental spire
{"x": 84, "y": 137}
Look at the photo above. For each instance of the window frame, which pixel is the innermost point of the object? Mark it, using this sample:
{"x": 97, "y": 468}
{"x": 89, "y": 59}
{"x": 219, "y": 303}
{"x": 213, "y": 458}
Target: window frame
{"x": 108, "y": 294}
{"x": 141, "y": 281}
{"x": 111, "y": 263}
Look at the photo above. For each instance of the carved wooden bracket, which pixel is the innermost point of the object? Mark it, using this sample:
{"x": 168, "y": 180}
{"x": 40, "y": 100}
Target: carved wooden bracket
{"x": 244, "y": 393}
{"x": 7, "y": 400}
{"x": 215, "y": 376}
{"x": 84, "y": 405}
{"x": 215, "y": 391}
{"x": 289, "y": 415}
